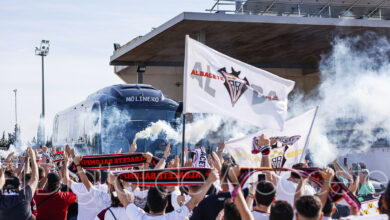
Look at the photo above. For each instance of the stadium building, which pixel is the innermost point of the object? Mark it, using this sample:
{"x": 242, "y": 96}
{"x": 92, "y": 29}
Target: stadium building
{"x": 285, "y": 37}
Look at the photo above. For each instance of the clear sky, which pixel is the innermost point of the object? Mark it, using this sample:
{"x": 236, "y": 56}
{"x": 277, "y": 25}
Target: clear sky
{"x": 81, "y": 35}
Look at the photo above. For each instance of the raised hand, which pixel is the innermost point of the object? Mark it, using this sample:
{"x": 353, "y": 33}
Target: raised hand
{"x": 148, "y": 156}
{"x": 171, "y": 164}
{"x": 67, "y": 149}
{"x": 213, "y": 176}
{"x": 327, "y": 174}
{"x": 263, "y": 140}
{"x": 31, "y": 153}
{"x": 189, "y": 163}
{"x": 167, "y": 150}
{"x": 66, "y": 158}
{"x": 77, "y": 159}
{"x": 176, "y": 162}
{"x": 72, "y": 154}
{"x": 9, "y": 158}
{"x": 181, "y": 199}
{"x": 215, "y": 162}
{"x": 221, "y": 146}
{"x": 133, "y": 147}
{"x": 111, "y": 178}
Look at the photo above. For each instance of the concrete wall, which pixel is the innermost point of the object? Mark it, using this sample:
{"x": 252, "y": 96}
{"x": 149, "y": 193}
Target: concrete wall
{"x": 170, "y": 79}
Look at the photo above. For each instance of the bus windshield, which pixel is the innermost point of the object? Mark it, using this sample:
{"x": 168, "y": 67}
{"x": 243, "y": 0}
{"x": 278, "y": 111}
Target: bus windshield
{"x": 119, "y": 126}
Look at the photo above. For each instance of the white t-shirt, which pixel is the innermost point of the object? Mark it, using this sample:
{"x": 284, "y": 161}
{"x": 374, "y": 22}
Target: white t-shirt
{"x": 135, "y": 213}
{"x": 88, "y": 204}
{"x": 260, "y": 215}
{"x": 140, "y": 197}
{"x": 119, "y": 212}
{"x": 174, "y": 196}
{"x": 285, "y": 190}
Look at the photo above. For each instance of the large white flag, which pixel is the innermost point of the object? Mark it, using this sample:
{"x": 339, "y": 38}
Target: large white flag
{"x": 291, "y": 143}
{"x": 216, "y": 83}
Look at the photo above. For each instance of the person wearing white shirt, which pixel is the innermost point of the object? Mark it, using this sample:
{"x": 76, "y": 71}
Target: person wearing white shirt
{"x": 286, "y": 188}
{"x": 91, "y": 198}
{"x": 115, "y": 211}
{"x": 264, "y": 194}
{"x": 281, "y": 210}
{"x": 176, "y": 196}
{"x": 157, "y": 201}
{"x": 308, "y": 208}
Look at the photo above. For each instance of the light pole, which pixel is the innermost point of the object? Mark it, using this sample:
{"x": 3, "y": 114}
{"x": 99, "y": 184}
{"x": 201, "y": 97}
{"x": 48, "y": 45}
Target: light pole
{"x": 16, "y": 109}
{"x": 17, "y": 131}
{"x": 42, "y": 51}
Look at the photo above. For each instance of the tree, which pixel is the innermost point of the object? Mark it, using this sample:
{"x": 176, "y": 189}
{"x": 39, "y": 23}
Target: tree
{"x": 3, "y": 141}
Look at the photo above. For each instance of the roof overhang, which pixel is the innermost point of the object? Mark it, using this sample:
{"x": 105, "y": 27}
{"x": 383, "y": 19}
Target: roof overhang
{"x": 264, "y": 41}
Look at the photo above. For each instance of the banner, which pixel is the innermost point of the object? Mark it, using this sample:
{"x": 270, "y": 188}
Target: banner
{"x": 216, "y": 83}
{"x": 288, "y": 150}
{"x": 58, "y": 156}
{"x": 166, "y": 177}
{"x": 337, "y": 192}
{"x": 110, "y": 161}
{"x": 200, "y": 159}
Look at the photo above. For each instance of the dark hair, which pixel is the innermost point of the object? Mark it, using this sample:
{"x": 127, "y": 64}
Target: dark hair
{"x": 115, "y": 202}
{"x": 296, "y": 166}
{"x": 328, "y": 208}
{"x": 53, "y": 182}
{"x": 230, "y": 210}
{"x": 9, "y": 173}
{"x": 308, "y": 206}
{"x": 157, "y": 199}
{"x": 12, "y": 183}
{"x": 281, "y": 210}
{"x": 362, "y": 165}
{"x": 93, "y": 175}
{"x": 265, "y": 193}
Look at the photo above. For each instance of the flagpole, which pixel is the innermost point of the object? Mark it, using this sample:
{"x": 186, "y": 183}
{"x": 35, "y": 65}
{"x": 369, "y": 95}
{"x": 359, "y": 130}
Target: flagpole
{"x": 183, "y": 140}
{"x": 308, "y": 135}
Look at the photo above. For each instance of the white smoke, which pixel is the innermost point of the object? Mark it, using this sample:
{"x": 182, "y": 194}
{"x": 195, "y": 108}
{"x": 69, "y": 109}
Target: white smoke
{"x": 353, "y": 98}
{"x": 17, "y": 151}
{"x": 202, "y": 127}
{"x": 155, "y": 128}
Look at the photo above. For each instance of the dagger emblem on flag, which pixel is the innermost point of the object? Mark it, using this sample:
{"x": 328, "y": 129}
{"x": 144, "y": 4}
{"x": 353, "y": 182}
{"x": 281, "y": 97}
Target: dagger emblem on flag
{"x": 234, "y": 84}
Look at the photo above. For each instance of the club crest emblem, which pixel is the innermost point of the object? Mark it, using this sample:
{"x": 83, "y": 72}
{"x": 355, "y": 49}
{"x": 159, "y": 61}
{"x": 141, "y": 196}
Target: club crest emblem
{"x": 234, "y": 84}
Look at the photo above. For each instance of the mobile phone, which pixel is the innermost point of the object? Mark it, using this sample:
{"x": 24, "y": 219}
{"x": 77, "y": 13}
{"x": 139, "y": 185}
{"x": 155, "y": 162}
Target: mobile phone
{"x": 261, "y": 177}
{"x": 345, "y": 162}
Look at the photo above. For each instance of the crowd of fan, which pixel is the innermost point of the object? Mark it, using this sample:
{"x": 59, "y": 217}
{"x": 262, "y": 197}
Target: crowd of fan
{"x": 37, "y": 188}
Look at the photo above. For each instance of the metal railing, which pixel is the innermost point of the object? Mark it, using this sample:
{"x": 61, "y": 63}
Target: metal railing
{"x": 355, "y": 9}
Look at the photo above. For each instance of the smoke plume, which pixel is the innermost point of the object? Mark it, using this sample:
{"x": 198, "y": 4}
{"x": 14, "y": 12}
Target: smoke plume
{"x": 353, "y": 98}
